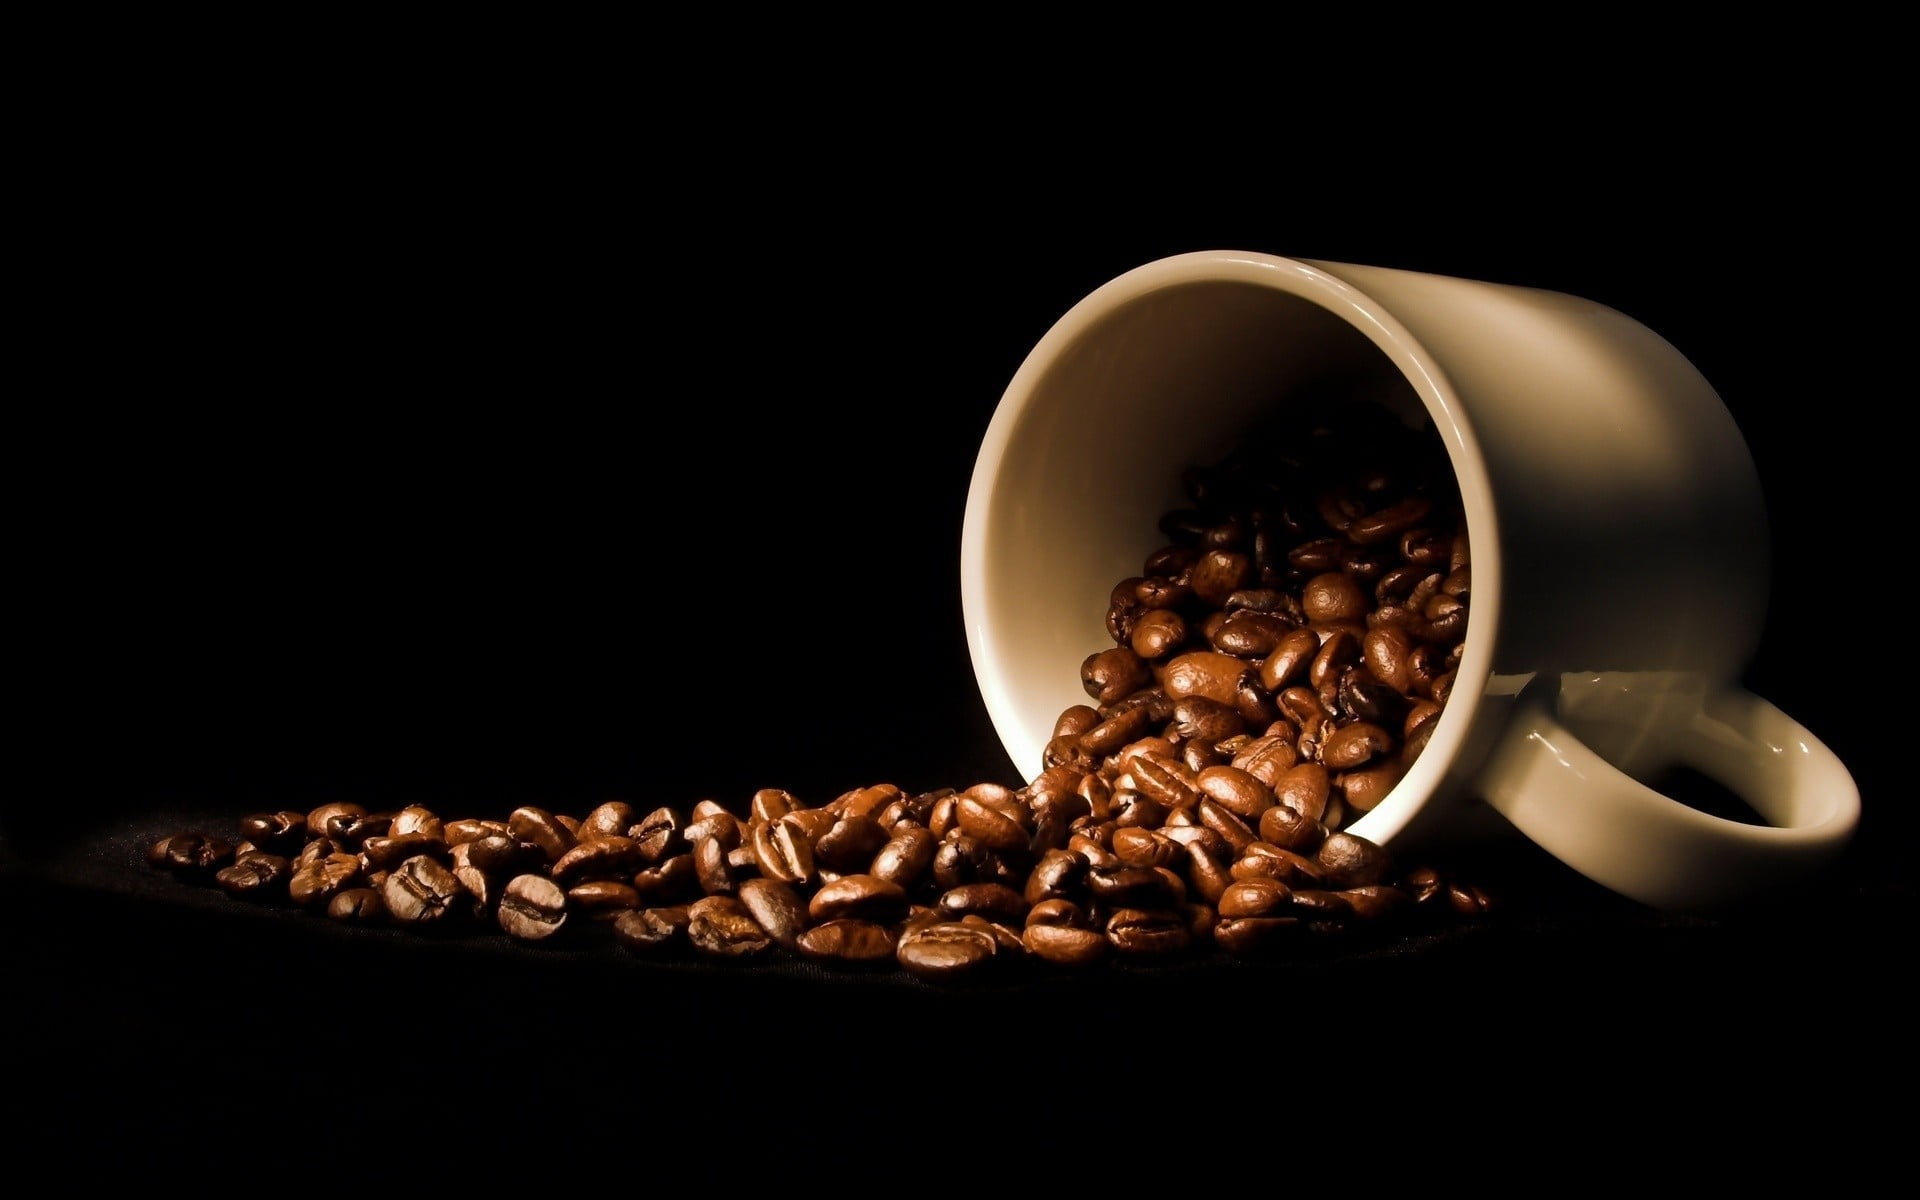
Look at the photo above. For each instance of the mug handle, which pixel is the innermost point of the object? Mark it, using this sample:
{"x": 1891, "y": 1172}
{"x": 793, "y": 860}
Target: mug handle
{"x": 1601, "y": 821}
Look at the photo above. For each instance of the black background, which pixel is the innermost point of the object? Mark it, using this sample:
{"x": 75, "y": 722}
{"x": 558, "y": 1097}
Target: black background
{"x": 484, "y": 459}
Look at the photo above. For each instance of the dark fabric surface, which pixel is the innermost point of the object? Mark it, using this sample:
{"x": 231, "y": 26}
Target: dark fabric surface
{"x": 475, "y": 499}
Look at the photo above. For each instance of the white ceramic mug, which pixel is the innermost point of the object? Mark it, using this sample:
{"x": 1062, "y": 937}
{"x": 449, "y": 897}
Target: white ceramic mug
{"x": 1620, "y": 549}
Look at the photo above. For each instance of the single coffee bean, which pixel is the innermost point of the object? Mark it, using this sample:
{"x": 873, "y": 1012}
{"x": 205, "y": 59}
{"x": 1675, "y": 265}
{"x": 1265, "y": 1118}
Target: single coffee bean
{"x": 360, "y": 906}
{"x": 907, "y": 857}
{"x": 606, "y": 856}
{"x": 947, "y": 951}
{"x": 416, "y": 818}
{"x": 601, "y": 899}
{"x": 421, "y": 891}
{"x": 1110, "y": 675}
{"x": 1065, "y": 945}
{"x": 323, "y": 878}
{"x": 542, "y": 830}
{"x": 781, "y": 850}
{"x": 255, "y": 875}
{"x": 651, "y": 930}
{"x": 608, "y": 819}
{"x": 1205, "y": 673}
{"x": 1290, "y": 829}
{"x": 1254, "y": 898}
{"x": 848, "y": 941}
{"x": 850, "y": 843}
{"x": 471, "y": 829}
{"x": 990, "y": 826}
{"x": 722, "y": 927}
{"x": 275, "y": 831}
{"x": 1304, "y": 788}
{"x": 1355, "y": 745}
{"x": 1235, "y": 790}
{"x": 1157, "y": 633}
{"x": 993, "y": 901}
{"x": 387, "y": 852}
{"x": 778, "y": 909}
{"x": 1351, "y": 861}
{"x": 1148, "y": 932}
{"x": 861, "y": 897}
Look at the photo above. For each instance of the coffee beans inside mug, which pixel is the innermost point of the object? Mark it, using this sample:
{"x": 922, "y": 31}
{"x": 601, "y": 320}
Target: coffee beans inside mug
{"x": 1277, "y": 663}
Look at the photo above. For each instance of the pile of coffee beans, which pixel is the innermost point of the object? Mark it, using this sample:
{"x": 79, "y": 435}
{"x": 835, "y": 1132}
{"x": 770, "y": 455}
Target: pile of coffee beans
{"x": 1275, "y": 667}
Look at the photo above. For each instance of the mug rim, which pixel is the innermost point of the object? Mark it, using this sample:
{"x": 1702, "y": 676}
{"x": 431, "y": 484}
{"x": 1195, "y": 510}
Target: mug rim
{"x": 1310, "y": 280}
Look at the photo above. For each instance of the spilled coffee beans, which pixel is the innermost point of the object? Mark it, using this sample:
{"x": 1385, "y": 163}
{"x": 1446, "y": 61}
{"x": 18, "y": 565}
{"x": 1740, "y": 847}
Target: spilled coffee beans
{"x": 1273, "y": 670}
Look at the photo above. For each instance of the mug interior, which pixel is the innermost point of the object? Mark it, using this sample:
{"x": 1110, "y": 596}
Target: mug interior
{"x": 1166, "y": 368}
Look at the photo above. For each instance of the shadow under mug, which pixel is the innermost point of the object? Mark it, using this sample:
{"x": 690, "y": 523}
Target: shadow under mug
{"x": 1619, "y": 541}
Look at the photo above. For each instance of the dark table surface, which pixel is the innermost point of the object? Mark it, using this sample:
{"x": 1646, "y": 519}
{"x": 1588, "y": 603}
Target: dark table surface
{"x": 674, "y": 513}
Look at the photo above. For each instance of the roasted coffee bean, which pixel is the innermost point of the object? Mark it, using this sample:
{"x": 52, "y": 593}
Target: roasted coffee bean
{"x": 1267, "y": 758}
{"x": 321, "y": 879}
{"x": 532, "y": 908}
{"x": 1148, "y": 932}
{"x": 722, "y": 927}
{"x": 1304, "y": 788}
{"x": 1137, "y": 810}
{"x": 1075, "y": 720}
{"x": 990, "y": 826}
{"x": 1469, "y": 900}
{"x": 1254, "y": 898}
{"x": 255, "y": 875}
{"x": 1145, "y": 848}
{"x": 275, "y": 831}
{"x": 781, "y": 850}
{"x": 1059, "y": 873}
{"x": 1264, "y": 860}
{"x": 1157, "y": 633}
{"x": 1235, "y": 790}
{"x": 472, "y": 829}
{"x": 1355, "y": 745}
{"x": 846, "y": 940}
{"x": 1218, "y": 573}
{"x": 494, "y": 853}
{"x": 1164, "y": 780}
{"x": 1333, "y": 597}
{"x": 320, "y": 818}
{"x": 712, "y": 868}
{"x": 716, "y": 823}
{"x": 1065, "y": 945}
{"x": 608, "y": 819}
{"x": 416, "y": 819}
{"x": 386, "y": 853}
{"x": 1250, "y": 634}
{"x": 1207, "y": 673}
{"x": 779, "y": 909}
{"x": 651, "y": 930}
{"x": 1375, "y": 902}
{"x": 602, "y": 899}
{"x": 360, "y": 906}
{"x": 850, "y": 843}
{"x": 542, "y": 830}
{"x": 947, "y": 951}
{"x": 907, "y": 857}
{"x": 1199, "y": 719}
{"x": 422, "y": 891}
{"x": 1351, "y": 861}
{"x": 1225, "y": 822}
{"x": 1364, "y": 789}
{"x": 193, "y": 855}
{"x": 1116, "y": 731}
{"x": 861, "y": 897}
{"x": 1111, "y": 675}
{"x": 1290, "y": 829}
{"x": 606, "y": 856}
{"x": 992, "y": 901}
